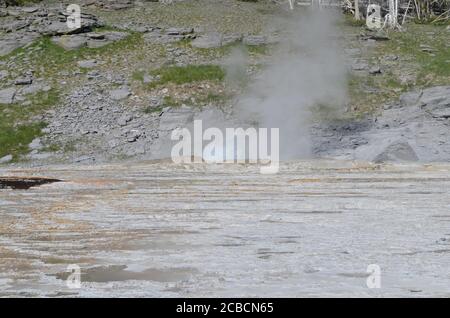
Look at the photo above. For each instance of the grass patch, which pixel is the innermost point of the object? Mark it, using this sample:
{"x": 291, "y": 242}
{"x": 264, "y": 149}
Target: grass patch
{"x": 184, "y": 43}
{"x": 258, "y": 49}
{"x": 151, "y": 110}
{"x": 14, "y": 140}
{"x": 17, "y": 126}
{"x": 433, "y": 69}
{"x": 217, "y": 52}
{"x": 211, "y": 98}
{"x": 364, "y": 96}
{"x": 138, "y": 76}
{"x": 350, "y": 20}
{"x": 187, "y": 74}
{"x": 40, "y": 102}
{"x": 170, "y": 101}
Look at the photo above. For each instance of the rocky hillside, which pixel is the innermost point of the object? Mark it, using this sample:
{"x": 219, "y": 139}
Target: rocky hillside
{"x": 113, "y": 89}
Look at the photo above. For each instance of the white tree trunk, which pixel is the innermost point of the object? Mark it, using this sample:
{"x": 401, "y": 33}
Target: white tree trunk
{"x": 393, "y": 13}
{"x": 357, "y": 16}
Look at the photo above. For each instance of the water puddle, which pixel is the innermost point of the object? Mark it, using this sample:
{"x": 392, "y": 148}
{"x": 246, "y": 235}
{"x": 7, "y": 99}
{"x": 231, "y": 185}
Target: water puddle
{"x": 117, "y": 273}
{"x": 24, "y": 183}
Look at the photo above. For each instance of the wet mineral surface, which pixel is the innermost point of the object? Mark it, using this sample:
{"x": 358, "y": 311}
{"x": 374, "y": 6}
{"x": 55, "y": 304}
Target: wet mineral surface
{"x": 159, "y": 229}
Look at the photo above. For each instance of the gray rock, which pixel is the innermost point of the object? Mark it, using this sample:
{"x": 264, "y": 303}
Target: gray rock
{"x": 169, "y": 36}
{"x": 414, "y": 128}
{"x": 117, "y": 5}
{"x": 148, "y": 79}
{"x": 96, "y": 35}
{"x": 410, "y": 98}
{"x": 70, "y": 42}
{"x": 255, "y": 40}
{"x": 36, "y": 144}
{"x": 30, "y": 9}
{"x": 113, "y": 143}
{"x": 138, "y": 148}
{"x": 91, "y": 39}
{"x": 19, "y": 98}
{"x": 352, "y": 51}
{"x": 141, "y": 29}
{"x": 374, "y": 70}
{"x": 133, "y": 135}
{"x": 87, "y": 63}
{"x": 377, "y": 37}
{"x": 7, "y": 47}
{"x": 6, "y": 159}
{"x": 427, "y": 48}
{"x": 158, "y": 38}
{"x": 93, "y": 44}
{"x": 93, "y": 74}
{"x": 179, "y": 31}
{"x": 115, "y": 36}
{"x": 436, "y": 101}
{"x": 397, "y": 151}
{"x": 34, "y": 88}
{"x": 27, "y": 80}
{"x": 175, "y": 118}
{"x": 84, "y": 158}
{"x": 155, "y": 101}
{"x": 120, "y": 93}
{"x": 359, "y": 66}
{"x": 16, "y": 25}
{"x": 7, "y": 95}
{"x": 40, "y": 156}
{"x": 97, "y": 40}
{"x": 12, "y": 41}
{"x": 208, "y": 41}
{"x": 390, "y": 57}
{"x": 3, "y": 74}
{"x": 124, "y": 120}
{"x": 231, "y": 38}
{"x": 57, "y": 24}
{"x": 55, "y": 28}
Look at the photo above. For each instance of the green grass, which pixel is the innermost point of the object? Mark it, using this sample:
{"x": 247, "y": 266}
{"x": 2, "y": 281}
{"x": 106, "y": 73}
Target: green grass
{"x": 17, "y": 126}
{"x": 258, "y": 49}
{"x": 431, "y": 69}
{"x": 170, "y": 101}
{"x": 349, "y": 20}
{"x": 40, "y": 102}
{"x": 187, "y": 74}
{"x": 138, "y": 76}
{"x": 14, "y": 140}
{"x": 150, "y": 110}
{"x": 213, "y": 98}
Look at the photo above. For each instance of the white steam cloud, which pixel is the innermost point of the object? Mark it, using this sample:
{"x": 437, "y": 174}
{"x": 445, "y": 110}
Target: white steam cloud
{"x": 306, "y": 70}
